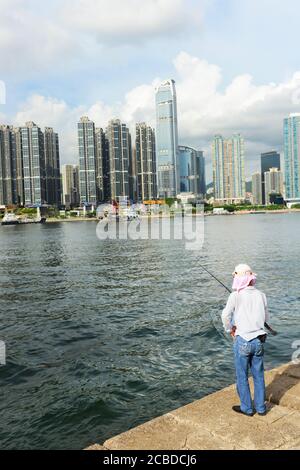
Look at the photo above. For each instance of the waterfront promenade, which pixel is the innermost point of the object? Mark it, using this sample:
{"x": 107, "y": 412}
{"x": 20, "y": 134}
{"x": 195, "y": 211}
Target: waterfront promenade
{"x": 210, "y": 424}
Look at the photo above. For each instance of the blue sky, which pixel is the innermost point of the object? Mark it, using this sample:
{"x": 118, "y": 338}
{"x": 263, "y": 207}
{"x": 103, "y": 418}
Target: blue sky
{"x": 235, "y": 64}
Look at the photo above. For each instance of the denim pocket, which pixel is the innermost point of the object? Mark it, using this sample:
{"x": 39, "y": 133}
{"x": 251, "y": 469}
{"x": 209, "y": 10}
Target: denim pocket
{"x": 244, "y": 348}
{"x": 259, "y": 349}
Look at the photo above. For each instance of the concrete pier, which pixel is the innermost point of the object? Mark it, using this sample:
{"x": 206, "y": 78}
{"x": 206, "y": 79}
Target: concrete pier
{"x": 210, "y": 424}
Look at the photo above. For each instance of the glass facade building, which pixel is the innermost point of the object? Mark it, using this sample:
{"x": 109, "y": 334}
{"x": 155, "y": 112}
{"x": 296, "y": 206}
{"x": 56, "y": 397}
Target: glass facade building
{"x": 228, "y": 168}
{"x": 145, "y": 162}
{"x": 70, "y": 185}
{"x": 268, "y": 160}
{"x": 33, "y": 150}
{"x": 273, "y": 184}
{"x": 292, "y": 156}
{"x": 192, "y": 171}
{"x": 87, "y": 161}
{"x": 29, "y": 166}
{"x": 7, "y": 166}
{"x": 119, "y": 158}
{"x": 256, "y": 189}
{"x": 101, "y": 149}
{"x": 52, "y": 161}
{"x": 167, "y": 140}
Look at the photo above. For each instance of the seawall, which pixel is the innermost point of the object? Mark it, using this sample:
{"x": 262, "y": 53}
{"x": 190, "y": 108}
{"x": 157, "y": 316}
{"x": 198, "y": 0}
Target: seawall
{"x": 210, "y": 423}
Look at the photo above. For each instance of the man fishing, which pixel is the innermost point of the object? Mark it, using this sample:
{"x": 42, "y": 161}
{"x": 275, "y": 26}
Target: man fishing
{"x": 244, "y": 318}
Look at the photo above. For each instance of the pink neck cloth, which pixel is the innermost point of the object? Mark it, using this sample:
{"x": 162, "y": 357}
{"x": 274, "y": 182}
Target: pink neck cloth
{"x": 241, "y": 282}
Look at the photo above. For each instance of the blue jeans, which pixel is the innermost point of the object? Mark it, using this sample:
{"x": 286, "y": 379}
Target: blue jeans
{"x": 250, "y": 354}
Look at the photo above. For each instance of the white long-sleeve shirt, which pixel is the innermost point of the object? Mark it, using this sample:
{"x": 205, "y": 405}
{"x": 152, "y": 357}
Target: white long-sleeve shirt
{"x": 248, "y": 311}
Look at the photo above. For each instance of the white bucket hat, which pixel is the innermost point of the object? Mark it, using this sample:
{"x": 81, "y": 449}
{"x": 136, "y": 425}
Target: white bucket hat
{"x": 243, "y": 270}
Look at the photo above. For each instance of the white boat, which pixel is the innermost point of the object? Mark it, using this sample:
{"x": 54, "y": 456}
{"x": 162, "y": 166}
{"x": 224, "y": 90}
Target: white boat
{"x": 10, "y": 219}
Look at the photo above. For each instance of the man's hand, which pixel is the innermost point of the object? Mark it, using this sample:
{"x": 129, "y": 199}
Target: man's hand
{"x": 232, "y": 331}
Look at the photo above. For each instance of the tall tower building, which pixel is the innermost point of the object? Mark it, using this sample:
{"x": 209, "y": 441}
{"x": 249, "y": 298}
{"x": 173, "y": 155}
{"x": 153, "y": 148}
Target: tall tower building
{"x": 256, "y": 189}
{"x": 33, "y": 149}
{"x": 52, "y": 162}
{"x": 228, "y": 168}
{"x": 7, "y": 166}
{"x": 292, "y": 155}
{"x": 87, "y": 161}
{"x": 145, "y": 162}
{"x": 101, "y": 150}
{"x": 192, "y": 171}
{"x": 132, "y": 178}
{"x": 119, "y": 156}
{"x": 70, "y": 185}
{"x": 19, "y": 168}
{"x": 268, "y": 160}
{"x": 273, "y": 184}
{"x": 167, "y": 140}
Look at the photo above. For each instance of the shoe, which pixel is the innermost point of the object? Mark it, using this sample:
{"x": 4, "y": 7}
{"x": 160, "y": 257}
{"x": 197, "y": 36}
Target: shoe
{"x": 237, "y": 409}
{"x": 262, "y": 414}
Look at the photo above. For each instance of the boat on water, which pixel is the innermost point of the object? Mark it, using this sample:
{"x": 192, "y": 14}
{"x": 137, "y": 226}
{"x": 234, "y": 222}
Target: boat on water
{"x": 10, "y": 219}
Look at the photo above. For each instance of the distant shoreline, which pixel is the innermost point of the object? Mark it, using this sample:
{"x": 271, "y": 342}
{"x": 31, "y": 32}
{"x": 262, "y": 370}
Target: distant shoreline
{"x": 156, "y": 216}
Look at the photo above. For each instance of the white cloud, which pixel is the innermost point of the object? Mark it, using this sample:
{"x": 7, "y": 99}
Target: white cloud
{"x": 31, "y": 39}
{"x": 35, "y": 40}
{"x": 256, "y": 111}
{"x": 126, "y": 20}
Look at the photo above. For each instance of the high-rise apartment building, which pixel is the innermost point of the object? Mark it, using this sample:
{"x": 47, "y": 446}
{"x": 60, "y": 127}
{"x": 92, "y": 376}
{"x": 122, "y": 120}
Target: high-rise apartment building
{"x": 70, "y": 185}
{"x": 167, "y": 140}
{"x": 228, "y": 168}
{"x": 87, "y": 161}
{"x": 145, "y": 162}
{"x": 256, "y": 189}
{"x": 268, "y": 160}
{"x": 101, "y": 156}
{"x": 119, "y": 157}
{"x": 52, "y": 163}
{"x": 192, "y": 171}
{"x": 8, "y": 180}
{"x": 19, "y": 198}
{"x": 29, "y": 166}
{"x": 33, "y": 150}
{"x": 292, "y": 156}
{"x": 273, "y": 184}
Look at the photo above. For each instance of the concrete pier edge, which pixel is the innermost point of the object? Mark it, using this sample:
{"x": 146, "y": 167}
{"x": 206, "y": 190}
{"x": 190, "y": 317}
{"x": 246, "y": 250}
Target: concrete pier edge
{"x": 210, "y": 423}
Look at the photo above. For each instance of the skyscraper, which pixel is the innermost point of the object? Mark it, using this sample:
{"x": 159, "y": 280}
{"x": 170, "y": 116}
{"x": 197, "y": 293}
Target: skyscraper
{"x": 19, "y": 167}
{"x": 132, "y": 177}
{"x": 268, "y": 160}
{"x": 101, "y": 150}
{"x": 52, "y": 162}
{"x": 119, "y": 156}
{"x": 192, "y": 170}
{"x": 228, "y": 168}
{"x": 292, "y": 155}
{"x": 256, "y": 189}
{"x": 29, "y": 165}
{"x": 33, "y": 150}
{"x": 167, "y": 140}
{"x": 146, "y": 162}
{"x": 273, "y": 183}
{"x": 70, "y": 185}
{"x": 87, "y": 161}
{"x": 7, "y": 164}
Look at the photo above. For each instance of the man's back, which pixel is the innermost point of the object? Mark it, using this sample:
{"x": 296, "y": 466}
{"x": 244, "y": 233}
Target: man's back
{"x": 248, "y": 311}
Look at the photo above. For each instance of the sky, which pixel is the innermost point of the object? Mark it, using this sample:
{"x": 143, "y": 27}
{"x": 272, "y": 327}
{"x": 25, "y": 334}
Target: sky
{"x": 235, "y": 63}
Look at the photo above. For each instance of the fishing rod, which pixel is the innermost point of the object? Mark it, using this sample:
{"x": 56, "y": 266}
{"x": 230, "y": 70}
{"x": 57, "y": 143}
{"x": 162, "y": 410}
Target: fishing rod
{"x": 267, "y": 326}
